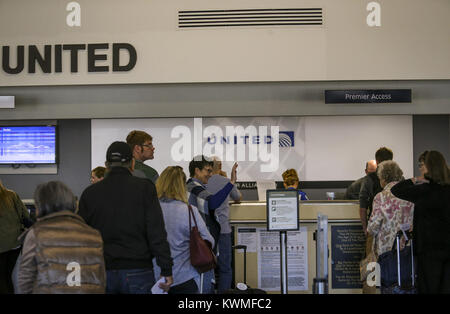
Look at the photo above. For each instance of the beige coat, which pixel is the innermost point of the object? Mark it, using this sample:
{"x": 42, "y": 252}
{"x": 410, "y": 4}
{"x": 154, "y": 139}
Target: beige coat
{"x": 61, "y": 254}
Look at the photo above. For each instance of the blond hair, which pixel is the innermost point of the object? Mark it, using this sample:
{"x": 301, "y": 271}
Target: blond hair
{"x": 171, "y": 184}
{"x": 290, "y": 177}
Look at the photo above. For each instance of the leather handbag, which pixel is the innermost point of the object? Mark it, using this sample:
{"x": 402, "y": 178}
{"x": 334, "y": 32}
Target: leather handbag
{"x": 202, "y": 255}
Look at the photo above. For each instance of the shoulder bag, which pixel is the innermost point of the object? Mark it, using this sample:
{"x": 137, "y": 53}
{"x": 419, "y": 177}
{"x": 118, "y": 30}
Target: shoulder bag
{"x": 202, "y": 256}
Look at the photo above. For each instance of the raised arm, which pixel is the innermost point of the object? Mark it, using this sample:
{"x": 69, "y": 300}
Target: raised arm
{"x": 407, "y": 190}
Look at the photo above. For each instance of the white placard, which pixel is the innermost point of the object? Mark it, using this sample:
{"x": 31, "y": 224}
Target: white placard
{"x": 248, "y": 237}
{"x": 282, "y": 210}
{"x": 269, "y": 260}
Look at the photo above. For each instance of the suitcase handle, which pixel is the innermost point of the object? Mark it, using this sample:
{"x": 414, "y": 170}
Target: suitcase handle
{"x": 399, "y": 235}
{"x": 396, "y": 248}
{"x": 243, "y": 247}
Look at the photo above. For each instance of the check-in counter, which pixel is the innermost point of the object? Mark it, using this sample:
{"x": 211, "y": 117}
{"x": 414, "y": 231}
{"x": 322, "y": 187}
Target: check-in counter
{"x": 343, "y": 219}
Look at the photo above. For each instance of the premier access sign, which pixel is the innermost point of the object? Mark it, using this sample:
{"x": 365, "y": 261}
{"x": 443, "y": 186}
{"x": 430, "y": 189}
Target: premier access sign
{"x": 368, "y": 96}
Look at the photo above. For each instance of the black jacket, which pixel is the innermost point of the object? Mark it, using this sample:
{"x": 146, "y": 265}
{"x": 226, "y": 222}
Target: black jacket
{"x": 369, "y": 188}
{"x": 431, "y": 223}
{"x": 352, "y": 192}
{"x": 126, "y": 211}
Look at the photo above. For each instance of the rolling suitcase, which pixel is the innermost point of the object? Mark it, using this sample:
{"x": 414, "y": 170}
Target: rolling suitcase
{"x": 398, "y": 273}
{"x": 243, "y": 288}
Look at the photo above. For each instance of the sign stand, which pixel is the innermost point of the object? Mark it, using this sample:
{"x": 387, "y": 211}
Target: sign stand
{"x": 283, "y": 262}
{"x": 282, "y": 216}
{"x": 320, "y": 284}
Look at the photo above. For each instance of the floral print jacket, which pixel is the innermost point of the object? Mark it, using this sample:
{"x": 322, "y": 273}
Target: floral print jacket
{"x": 388, "y": 214}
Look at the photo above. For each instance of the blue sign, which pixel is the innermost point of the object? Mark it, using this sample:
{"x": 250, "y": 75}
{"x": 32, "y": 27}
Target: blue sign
{"x": 348, "y": 244}
{"x": 368, "y": 96}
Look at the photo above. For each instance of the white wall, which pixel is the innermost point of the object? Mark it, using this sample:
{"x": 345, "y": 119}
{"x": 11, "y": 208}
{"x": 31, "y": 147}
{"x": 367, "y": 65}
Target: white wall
{"x": 338, "y": 147}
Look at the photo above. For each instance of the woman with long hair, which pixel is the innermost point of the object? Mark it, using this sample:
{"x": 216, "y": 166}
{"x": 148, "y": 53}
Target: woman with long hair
{"x": 431, "y": 233}
{"x": 171, "y": 189}
{"x": 13, "y": 214}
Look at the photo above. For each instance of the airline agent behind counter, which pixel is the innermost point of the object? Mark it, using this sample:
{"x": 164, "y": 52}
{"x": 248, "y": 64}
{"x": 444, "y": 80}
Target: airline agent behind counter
{"x": 290, "y": 182}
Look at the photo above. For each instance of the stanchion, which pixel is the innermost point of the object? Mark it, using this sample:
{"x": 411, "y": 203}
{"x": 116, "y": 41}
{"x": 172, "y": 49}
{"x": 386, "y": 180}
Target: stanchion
{"x": 283, "y": 262}
{"x": 320, "y": 283}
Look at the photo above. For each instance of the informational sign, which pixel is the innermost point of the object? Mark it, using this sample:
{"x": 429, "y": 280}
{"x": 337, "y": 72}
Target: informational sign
{"x": 248, "y": 237}
{"x": 269, "y": 260}
{"x": 282, "y": 210}
{"x": 347, "y": 250}
{"x": 367, "y": 96}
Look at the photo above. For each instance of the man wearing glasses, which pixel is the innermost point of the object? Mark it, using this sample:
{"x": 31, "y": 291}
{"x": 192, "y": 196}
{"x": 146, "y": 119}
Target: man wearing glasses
{"x": 142, "y": 147}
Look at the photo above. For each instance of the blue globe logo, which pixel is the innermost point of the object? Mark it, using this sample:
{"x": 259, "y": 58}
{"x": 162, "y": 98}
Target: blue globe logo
{"x": 286, "y": 139}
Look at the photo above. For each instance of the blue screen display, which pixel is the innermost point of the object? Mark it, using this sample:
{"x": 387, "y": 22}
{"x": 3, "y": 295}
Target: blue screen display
{"x": 28, "y": 145}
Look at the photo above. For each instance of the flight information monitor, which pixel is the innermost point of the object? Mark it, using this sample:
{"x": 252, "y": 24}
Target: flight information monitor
{"x": 28, "y": 144}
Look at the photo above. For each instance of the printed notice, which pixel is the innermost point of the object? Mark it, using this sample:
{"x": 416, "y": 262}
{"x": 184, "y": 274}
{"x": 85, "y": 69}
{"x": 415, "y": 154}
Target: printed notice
{"x": 248, "y": 237}
{"x": 269, "y": 260}
{"x": 282, "y": 211}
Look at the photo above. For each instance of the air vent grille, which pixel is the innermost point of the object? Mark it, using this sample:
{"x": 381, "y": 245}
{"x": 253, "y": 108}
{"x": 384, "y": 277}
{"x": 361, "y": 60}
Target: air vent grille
{"x": 250, "y": 17}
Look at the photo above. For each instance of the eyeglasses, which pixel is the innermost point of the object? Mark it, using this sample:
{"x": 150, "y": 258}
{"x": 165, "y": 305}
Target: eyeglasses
{"x": 421, "y": 164}
{"x": 148, "y": 145}
{"x": 207, "y": 169}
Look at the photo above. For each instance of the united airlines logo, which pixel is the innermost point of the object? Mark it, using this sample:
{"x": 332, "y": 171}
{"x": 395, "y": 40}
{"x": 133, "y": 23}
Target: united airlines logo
{"x": 286, "y": 138}
{"x": 232, "y": 143}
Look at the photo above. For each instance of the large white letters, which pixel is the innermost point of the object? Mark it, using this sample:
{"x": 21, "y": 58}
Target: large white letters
{"x": 374, "y": 17}
{"x": 374, "y": 277}
{"x": 74, "y": 17}
{"x": 74, "y": 278}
